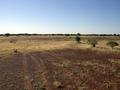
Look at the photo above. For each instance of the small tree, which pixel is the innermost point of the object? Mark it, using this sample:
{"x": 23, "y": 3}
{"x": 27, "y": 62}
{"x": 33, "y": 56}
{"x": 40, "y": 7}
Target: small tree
{"x": 112, "y": 44}
{"x": 78, "y": 34}
{"x": 77, "y": 38}
{"x": 92, "y": 42}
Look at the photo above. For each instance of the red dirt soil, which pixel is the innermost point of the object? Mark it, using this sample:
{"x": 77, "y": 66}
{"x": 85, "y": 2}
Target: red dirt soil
{"x": 60, "y": 70}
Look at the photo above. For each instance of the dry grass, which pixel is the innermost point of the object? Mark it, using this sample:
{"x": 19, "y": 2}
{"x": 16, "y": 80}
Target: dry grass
{"x": 38, "y": 43}
{"x": 68, "y": 69}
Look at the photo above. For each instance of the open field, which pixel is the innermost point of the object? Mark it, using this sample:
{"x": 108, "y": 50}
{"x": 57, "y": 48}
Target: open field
{"x": 58, "y": 63}
{"x": 41, "y": 43}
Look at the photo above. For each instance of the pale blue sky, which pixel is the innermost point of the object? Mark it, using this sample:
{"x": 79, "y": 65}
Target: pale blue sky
{"x": 59, "y": 16}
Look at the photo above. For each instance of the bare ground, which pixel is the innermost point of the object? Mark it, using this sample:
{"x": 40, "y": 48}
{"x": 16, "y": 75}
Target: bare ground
{"x": 68, "y": 69}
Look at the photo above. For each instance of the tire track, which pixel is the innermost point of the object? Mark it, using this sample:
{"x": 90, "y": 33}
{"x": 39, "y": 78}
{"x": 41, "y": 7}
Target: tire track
{"x": 39, "y": 74}
{"x": 27, "y": 76}
{"x": 52, "y": 71}
{"x": 42, "y": 67}
{"x": 19, "y": 82}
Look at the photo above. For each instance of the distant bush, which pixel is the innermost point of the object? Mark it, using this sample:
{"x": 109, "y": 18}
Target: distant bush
{"x": 15, "y": 51}
{"x": 13, "y": 41}
{"x": 92, "y": 42}
{"x": 78, "y": 34}
{"x": 112, "y": 44}
{"x": 77, "y": 38}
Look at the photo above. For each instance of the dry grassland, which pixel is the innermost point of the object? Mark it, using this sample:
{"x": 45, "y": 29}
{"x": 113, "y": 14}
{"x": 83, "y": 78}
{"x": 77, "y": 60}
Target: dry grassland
{"x": 41, "y": 43}
{"x": 58, "y": 63}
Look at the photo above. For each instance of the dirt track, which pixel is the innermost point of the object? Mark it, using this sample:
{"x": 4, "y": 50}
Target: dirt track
{"x": 60, "y": 70}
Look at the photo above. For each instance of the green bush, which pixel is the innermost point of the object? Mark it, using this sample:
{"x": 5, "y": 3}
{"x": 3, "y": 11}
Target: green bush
{"x": 112, "y": 44}
{"x": 78, "y": 34}
{"x": 92, "y": 42}
{"x": 77, "y": 38}
{"x": 15, "y": 51}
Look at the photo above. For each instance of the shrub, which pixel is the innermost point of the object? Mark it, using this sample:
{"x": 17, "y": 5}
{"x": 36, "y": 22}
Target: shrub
{"x": 12, "y": 41}
{"x": 78, "y": 34}
{"x": 15, "y": 51}
{"x": 112, "y": 44}
{"x": 77, "y": 38}
{"x": 92, "y": 42}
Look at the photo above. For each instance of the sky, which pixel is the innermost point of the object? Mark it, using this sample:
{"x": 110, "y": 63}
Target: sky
{"x": 60, "y": 16}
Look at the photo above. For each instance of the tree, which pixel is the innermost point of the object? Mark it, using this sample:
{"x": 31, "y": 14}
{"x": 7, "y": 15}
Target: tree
{"x": 92, "y": 42}
{"x": 78, "y": 34}
{"x": 112, "y": 44}
{"x": 77, "y": 38}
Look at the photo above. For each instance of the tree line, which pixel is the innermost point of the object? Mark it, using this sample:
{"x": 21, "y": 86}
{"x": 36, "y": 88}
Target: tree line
{"x": 58, "y": 34}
